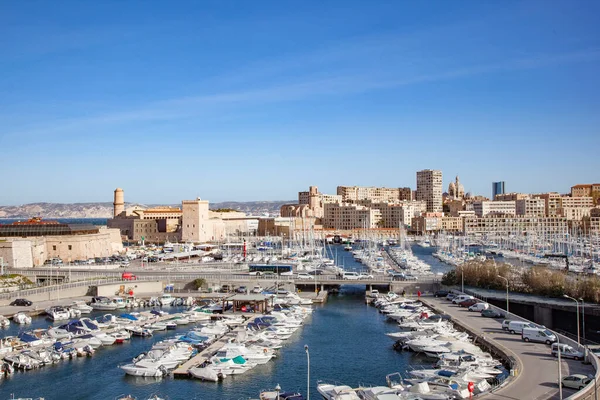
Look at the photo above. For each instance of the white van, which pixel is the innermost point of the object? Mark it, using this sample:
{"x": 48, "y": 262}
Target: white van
{"x": 517, "y": 326}
{"x": 350, "y": 275}
{"x": 566, "y": 351}
{"x": 479, "y": 307}
{"x": 462, "y": 297}
{"x": 538, "y": 335}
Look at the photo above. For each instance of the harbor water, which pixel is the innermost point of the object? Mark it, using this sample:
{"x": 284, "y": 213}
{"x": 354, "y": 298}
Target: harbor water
{"x": 346, "y": 341}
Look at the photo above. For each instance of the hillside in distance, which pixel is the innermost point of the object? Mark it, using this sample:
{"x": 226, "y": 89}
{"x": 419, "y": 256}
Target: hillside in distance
{"x": 105, "y": 210}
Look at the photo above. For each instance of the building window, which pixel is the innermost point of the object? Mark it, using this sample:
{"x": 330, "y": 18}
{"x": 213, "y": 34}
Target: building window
{"x": 70, "y": 247}
{"x": 54, "y": 247}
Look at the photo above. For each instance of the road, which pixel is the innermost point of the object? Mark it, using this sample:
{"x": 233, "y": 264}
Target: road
{"x": 539, "y": 375}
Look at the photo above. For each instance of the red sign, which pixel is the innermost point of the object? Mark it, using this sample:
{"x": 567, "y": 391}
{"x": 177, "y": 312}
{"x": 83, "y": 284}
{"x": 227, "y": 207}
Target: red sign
{"x": 471, "y": 387}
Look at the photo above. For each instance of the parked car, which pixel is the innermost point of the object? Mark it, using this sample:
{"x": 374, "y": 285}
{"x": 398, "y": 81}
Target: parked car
{"x": 257, "y": 289}
{"x": 241, "y": 289}
{"x": 450, "y": 296}
{"x": 21, "y": 303}
{"x": 441, "y": 293}
{"x": 316, "y": 272}
{"x": 363, "y": 275}
{"x": 305, "y": 276}
{"x": 461, "y": 297}
{"x": 566, "y": 351}
{"x": 350, "y": 276}
{"x": 540, "y": 335}
{"x": 576, "y": 381}
{"x": 517, "y": 326}
{"x": 491, "y": 314}
{"x": 128, "y": 276}
{"x": 505, "y": 324}
{"x": 468, "y": 303}
{"x": 398, "y": 276}
{"x": 479, "y": 307}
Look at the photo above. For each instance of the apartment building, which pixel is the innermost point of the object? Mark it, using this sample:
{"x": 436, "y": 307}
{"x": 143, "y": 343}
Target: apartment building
{"x": 428, "y": 222}
{"x": 393, "y": 215}
{"x": 429, "y": 189}
{"x": 375, "y": 194}
{"x": 510, "y": 196}
{"x": 452, "y": 224}
{"x": 587, "y": 190}
{"x": 531, "y": 207}
{"x": 305, "y": 197}
{"x": 573, "y": 208}
{"x": 350, "y": 216}
{"x": 510, "y": 225}
{"x": 484, "y": 208}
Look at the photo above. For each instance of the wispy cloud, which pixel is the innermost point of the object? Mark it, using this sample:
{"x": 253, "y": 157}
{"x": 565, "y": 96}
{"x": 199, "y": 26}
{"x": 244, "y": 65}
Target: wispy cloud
{"x": 207, "y": 104}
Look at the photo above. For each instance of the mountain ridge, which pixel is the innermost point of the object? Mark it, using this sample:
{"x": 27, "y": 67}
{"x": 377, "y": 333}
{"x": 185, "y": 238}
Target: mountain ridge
{"x": 105, "y": 209}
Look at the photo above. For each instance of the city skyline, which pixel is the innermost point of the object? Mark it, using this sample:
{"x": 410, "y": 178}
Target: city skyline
{"x": 255, "y": 102}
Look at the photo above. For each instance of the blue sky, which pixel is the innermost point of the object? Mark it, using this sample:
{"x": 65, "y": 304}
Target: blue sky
{"x": 258, "y": 100}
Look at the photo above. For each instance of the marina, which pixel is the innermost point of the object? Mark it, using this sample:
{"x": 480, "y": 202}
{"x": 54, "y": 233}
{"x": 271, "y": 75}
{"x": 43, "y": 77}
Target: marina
{"x": 344, "y": 313}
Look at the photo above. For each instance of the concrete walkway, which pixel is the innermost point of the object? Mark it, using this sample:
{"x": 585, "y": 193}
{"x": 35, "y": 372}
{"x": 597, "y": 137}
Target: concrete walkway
{"x": 539, "y": 375}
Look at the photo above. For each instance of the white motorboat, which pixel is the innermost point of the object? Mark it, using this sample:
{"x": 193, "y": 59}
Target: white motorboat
{"x": 139, "y": 331}
{"x": 157, "y": 326}
{"x": 435, "y": 351}
{"x": 59, "y": 333}
{"x": 121, "y": 336}
{"x": 103, "y": 304}
{"x": 181, "y": 320}
{"x": 58, "y": 313}
{"x": 120, "y": 302}
{"x": 22, "y": 318}
{"x": 232, "y": 366}
{"x": 336, "y": 392}
{"x": 208, "y": 373}
{"x": 166, "y": 299}
{"x": 146, "y": 368}
{"x": 106, "y": 339}
{"x": 81, "y": 306}
{"x": 21, "y": 361}
{"x": 89, "y": 340}
{"x": 254, "y": 355}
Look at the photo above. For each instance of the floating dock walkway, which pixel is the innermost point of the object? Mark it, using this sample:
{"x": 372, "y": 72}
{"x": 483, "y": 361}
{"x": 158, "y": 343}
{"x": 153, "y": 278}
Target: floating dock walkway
{"x": 183, "y": 370}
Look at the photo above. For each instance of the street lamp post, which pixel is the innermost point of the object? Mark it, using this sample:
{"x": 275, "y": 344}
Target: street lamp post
{"x": 583, "y": 318}
{"x": 576, "y": 301}
{"x": 462, "y": 274}
{"x": 506, "y": 279}
{"x": 308, "y": 373}
{"x": 560, "y": 393}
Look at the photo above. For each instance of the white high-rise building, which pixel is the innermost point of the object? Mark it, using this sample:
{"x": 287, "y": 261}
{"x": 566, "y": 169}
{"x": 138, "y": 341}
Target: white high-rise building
{"x": 429, "y": 189}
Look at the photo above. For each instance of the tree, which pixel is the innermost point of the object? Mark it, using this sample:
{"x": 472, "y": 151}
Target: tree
{"x": 449, "y": 278}
{"x": 199, "y": 283}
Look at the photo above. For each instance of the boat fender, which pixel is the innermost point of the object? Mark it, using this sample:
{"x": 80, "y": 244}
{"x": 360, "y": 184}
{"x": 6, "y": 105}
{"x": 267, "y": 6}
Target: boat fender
{"x": 265, "y": 351}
